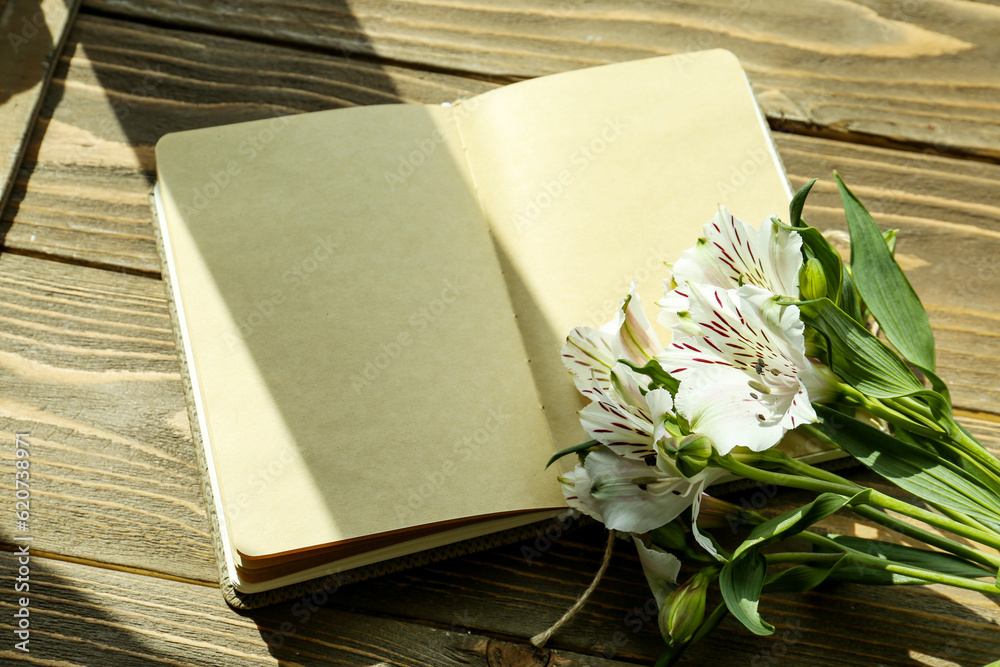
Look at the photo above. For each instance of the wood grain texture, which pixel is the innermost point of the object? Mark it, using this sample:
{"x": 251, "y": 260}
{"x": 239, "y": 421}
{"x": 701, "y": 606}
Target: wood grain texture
{"x": 82, "y": 615}
{"x": 33, "y": 35}
{"x": 88, "y": 369}
{"x": 921, "y": 72}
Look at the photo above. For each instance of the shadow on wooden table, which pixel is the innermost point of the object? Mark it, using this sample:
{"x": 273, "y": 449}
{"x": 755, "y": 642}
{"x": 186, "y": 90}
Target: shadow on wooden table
{"x": 28, "y": 42}
{"x": 509, "y": 597}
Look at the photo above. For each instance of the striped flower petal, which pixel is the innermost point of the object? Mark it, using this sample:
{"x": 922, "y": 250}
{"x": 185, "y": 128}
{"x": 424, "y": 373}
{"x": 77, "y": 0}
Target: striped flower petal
{"x": 625, "y": 419}
{"x": 588, "y": 357}
{"x": 635, "y": 341}
{"x": 744, "y": 379}
{"x": 731, "y": 254}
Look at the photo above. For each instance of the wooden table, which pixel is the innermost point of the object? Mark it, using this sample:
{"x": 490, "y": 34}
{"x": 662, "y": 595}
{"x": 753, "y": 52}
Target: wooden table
{"x": 902, "y": 98}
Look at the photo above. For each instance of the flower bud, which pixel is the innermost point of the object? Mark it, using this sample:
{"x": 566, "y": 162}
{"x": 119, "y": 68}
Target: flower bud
{"x": 693, "y": 454}
{"x": 812, "y": 280}
{"x": 684, "y": 610}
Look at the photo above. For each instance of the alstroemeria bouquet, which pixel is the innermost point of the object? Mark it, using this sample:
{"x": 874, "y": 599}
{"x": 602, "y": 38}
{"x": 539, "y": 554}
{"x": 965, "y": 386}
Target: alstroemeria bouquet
{"x": 773, "y": 332}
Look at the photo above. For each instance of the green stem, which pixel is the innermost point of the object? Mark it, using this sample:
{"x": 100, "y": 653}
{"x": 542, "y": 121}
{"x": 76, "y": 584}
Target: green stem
{"x": 781, "y": 479}
{"x": 962, "y": 518}
{"x": 927, "y": 537}
{"x": 890, "y": 414}
{"x": 872, "y": 498}
{"x": 803, "y": 468}
{"x": 969, "y": 444}
{"x": 888, "y": 502}
{"x": 901, "y": 527}
{"x": 875, "y": 562}
{"x": 948, "y": 435}
{"x": 915, "y": 410}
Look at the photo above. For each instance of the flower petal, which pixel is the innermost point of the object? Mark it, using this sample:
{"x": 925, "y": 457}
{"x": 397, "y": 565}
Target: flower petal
{"x": 741, "y": 381}
{"x": 635, "y": 340}
{"x": 623, "y": 428}
{"x": 588, "y": 357}
{"x": 576, "y": 490}
{"x": 632, "y": 496}
{"x": 661, "y": 569}
{"x": 731, "y": 253}
{"x": 705, "y": 542}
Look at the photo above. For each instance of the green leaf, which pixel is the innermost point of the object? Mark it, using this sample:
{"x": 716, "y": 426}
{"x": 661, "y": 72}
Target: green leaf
{"x": 795, "y": 521}
{"x": 742, "y": 578}
{"x": 569, "y": 450}
{"x": 741, "y": 581}
{"x": 799, "y": 201}
{"x": 800, "y": 578}
{"x": 658, "y": 377}
{"x": 910, "y": 467}
{"x": 858, "y": 357}
{"x": 929, "y": 560}
{"x": 849, "y": 302}
{"x": 872, "y": 577}
{"x": 885, "y": 289}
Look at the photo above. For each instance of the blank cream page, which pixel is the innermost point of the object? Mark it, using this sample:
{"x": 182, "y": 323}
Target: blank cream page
{"x": 594, "y": 178}
{"x": 356, "y": 355}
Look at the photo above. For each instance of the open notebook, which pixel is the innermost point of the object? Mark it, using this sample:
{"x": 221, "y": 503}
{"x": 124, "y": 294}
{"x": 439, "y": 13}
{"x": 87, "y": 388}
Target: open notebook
{"x": 370, "y": 302}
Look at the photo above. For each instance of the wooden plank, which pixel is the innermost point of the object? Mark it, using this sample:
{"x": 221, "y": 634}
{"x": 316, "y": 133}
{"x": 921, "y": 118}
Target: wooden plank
{"x": 34, "y": 33}
{"x": 912, "y": 72}
{"x": 82, "y": 615}
{"x": 82, "y": 194}
{"x": 89, "y": 370}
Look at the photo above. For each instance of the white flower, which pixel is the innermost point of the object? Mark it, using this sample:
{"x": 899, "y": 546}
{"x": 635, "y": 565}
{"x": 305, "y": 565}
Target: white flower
{"x": 745, "y": 380}
{"x": 622, "y": 415}
{"x": 629, "y": 495}
{"x": 732, "y": 254}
